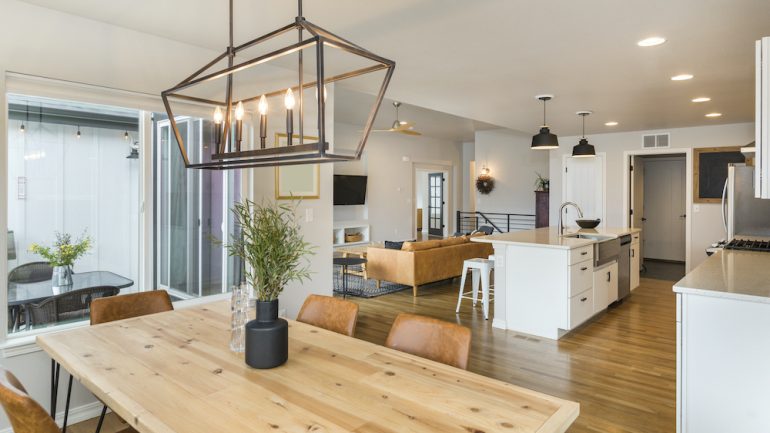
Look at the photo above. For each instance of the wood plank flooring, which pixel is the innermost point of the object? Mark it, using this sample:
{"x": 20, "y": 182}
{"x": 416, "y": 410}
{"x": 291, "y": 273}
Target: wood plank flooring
{"x": 620, "y": 367}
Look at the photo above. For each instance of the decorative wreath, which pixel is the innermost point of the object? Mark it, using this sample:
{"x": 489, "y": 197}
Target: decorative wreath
{"x": 485, "y": 183}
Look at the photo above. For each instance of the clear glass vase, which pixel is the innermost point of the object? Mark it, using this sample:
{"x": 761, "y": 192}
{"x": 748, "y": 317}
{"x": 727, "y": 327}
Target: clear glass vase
{"x": 239, "y": 313}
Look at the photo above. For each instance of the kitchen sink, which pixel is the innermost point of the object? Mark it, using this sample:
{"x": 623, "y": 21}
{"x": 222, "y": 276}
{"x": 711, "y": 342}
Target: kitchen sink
{"x": 591, "y": 236}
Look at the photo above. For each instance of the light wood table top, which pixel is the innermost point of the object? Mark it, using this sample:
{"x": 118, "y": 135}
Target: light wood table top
{"x": 173, "y": 372}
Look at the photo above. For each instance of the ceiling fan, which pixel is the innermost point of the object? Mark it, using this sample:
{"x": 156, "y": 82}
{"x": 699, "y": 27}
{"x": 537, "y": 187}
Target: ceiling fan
{"x": 400, "y": 126}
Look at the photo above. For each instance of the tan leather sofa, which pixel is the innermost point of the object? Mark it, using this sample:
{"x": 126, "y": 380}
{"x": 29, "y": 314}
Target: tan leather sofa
{"x": 418, "y": 263}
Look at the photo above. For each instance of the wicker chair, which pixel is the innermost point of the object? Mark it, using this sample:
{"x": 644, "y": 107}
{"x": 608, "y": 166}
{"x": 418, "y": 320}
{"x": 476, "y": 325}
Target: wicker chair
{"x": 30, "y": 273}
{"x": 67, "y": 306}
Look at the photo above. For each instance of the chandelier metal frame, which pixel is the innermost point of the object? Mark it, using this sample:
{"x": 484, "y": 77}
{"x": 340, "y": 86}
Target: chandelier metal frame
{"x": 227, "y": 153}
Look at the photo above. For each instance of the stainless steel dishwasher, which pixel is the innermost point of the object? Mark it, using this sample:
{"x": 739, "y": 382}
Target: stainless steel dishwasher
{"x": 624, "y": 267}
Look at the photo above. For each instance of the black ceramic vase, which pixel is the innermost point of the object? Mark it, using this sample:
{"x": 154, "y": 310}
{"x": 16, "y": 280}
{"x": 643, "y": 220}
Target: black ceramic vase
{"x": 267, "y": 337}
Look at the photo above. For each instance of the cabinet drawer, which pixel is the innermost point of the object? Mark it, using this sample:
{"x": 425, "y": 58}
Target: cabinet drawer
{"x": 635, "y": 238}
{"x": 581, "y": 254}
{"x": 581, "y": 308}
{"x": 580, "y": 277}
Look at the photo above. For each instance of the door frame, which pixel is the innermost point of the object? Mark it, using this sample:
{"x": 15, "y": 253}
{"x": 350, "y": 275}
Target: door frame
{"x": 688, "y": 192}
{"x": 603, "y": 155}
{"x": 439, "y": 166}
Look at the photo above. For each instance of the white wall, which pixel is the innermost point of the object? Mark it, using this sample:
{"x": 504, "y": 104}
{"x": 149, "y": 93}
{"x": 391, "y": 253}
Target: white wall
{"x": 513, "y": 165}
{"x": 76, "y": 49}
{"x": 706, "y": 224}
{"x": 469, "y": 194}
{"x": 389, "y": 187}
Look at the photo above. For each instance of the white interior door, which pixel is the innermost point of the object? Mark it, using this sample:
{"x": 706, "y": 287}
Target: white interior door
{"x": 584, "y": 185}
{"x": 664, "y": 209}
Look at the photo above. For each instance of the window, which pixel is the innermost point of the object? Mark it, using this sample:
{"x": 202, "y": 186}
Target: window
{"x": 72, "y": 170}
{"x": 76, "y": 168}
{"x": 192, "y": 213}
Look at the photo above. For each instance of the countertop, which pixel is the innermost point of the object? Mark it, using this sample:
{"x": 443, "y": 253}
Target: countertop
{"x": 549, "y": 237}
{"x": 743, "y": 275}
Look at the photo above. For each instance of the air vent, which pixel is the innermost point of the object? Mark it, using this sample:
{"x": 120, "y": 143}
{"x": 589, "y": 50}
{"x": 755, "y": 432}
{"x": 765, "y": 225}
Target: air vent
{"x": 655, "y": 141}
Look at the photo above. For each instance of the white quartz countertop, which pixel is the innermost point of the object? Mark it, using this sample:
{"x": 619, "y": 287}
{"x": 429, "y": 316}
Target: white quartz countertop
{"x": 730, "y": 274}
{"x": 549, "y": 237}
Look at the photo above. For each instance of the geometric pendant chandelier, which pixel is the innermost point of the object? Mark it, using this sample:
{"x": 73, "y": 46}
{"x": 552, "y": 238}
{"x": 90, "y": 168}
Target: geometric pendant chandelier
{"x": 280, "y": 85}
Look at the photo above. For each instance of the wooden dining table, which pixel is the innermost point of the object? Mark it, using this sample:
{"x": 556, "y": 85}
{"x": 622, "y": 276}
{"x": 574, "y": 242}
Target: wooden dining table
{"x": 174, "y": 372}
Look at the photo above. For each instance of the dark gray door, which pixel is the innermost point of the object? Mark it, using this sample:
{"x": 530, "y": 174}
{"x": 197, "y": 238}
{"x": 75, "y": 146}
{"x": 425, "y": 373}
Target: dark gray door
{"x": 436, "y": 204}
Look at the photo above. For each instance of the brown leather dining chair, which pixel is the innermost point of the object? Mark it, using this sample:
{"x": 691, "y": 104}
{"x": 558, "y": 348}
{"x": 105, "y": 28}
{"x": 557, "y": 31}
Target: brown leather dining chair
{"x": 104, "y": 310}
{"x": 121, "y": 307}
{"x": 330, "y": 313}
{"x": 25, "y": 414}
{"x": 430, "y": 338}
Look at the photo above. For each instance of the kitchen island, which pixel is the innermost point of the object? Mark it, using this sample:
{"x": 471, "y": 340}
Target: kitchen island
{"x": 547, "y": 284}
{"x": 723, "y": 344}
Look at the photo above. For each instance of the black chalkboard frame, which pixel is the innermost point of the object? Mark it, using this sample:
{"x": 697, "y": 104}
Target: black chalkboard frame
{"x": 710, "y": 171}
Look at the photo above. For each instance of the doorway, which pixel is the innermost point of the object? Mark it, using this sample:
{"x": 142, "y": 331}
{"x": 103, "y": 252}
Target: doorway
{"x": 436, "y": 204}
{"x": 431, "y": 202}
{"x": 658, "y": 191}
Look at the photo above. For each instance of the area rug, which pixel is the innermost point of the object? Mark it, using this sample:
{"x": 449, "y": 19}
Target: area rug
{"x": 361, "y": 288}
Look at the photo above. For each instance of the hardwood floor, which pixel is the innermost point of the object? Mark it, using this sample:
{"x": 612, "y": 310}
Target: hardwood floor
{"x": 620, "y": 367}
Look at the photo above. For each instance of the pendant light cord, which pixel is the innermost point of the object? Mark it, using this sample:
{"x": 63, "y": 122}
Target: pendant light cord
{"x": 544, "y": 124}
{"x": 584, "y": 124}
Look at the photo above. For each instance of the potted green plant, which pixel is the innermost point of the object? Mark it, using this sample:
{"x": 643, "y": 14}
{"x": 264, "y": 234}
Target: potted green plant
{"x": 542, "y": 183}
{"x": 271, "y": 245}
{"x": 62, "y": 255}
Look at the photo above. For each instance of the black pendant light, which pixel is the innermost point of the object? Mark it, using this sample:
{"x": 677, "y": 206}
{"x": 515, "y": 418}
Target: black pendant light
{"x": 583, "y": 149}
{"x": 544, "y": 140}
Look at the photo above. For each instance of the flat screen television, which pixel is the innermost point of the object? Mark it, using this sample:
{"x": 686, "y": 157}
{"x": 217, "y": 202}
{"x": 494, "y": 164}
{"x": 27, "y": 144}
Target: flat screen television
{"x": 349, "y": 190}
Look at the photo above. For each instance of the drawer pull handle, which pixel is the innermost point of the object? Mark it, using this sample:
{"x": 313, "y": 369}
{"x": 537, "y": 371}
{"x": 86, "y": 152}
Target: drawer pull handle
{"x": 584, "y": 253}
{"x": 583, "y": 268}
{"x": 583, "y": 299}
{"x": 609, "y": 277}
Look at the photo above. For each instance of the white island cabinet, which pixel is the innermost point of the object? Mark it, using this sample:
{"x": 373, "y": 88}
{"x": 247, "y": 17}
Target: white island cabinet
{"x": 545, "y": 283}
{"x": 723, "y": 345}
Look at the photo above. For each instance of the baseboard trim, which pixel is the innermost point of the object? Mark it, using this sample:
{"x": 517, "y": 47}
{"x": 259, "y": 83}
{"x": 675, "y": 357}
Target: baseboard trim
{"x": 499, "y": 323}
{"x": 77, "y": 414}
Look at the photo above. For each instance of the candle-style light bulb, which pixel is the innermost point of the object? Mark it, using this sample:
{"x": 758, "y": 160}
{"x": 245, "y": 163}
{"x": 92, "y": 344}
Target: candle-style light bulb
{"x": 239, "y": 111}
{"x": 262, "y": 106}
{"x": 218, "y": 117}
{"x": 289, "y": 99}
{"x": 238, "y": 125}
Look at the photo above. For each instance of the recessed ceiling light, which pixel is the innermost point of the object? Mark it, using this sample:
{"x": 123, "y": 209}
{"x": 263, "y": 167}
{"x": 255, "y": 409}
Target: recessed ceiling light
{"x": 714, "y": 115}
{"x": 702, "y": 99}
{"x": 613, "y": 123}
{"x": 682, "y": 77}
{"x": 651, "y": 42}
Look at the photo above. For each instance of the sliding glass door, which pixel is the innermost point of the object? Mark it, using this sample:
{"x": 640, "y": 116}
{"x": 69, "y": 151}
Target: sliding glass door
{"x": 192, "y": 213}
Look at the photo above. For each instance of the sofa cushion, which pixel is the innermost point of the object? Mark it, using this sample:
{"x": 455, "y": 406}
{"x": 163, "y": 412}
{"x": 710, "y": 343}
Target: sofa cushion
{"x": 395, "y": 245}
{"x": 420, "y": 246}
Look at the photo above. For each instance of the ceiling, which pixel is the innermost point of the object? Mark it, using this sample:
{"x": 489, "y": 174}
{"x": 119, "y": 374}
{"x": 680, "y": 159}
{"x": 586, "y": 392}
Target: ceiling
{"x": 486, "y": 60}
{"x": 355, "y": 109}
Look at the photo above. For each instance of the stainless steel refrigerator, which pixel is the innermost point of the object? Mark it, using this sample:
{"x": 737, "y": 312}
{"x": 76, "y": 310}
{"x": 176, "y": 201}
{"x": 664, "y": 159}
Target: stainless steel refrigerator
{"x": 743, "y": 215}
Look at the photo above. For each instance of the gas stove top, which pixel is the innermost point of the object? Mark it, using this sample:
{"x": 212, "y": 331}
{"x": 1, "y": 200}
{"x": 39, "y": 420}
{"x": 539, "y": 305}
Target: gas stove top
{"x": 748, "y": 245}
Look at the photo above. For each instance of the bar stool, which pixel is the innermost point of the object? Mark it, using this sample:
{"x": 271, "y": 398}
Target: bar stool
{"x": 481, "y": 270}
